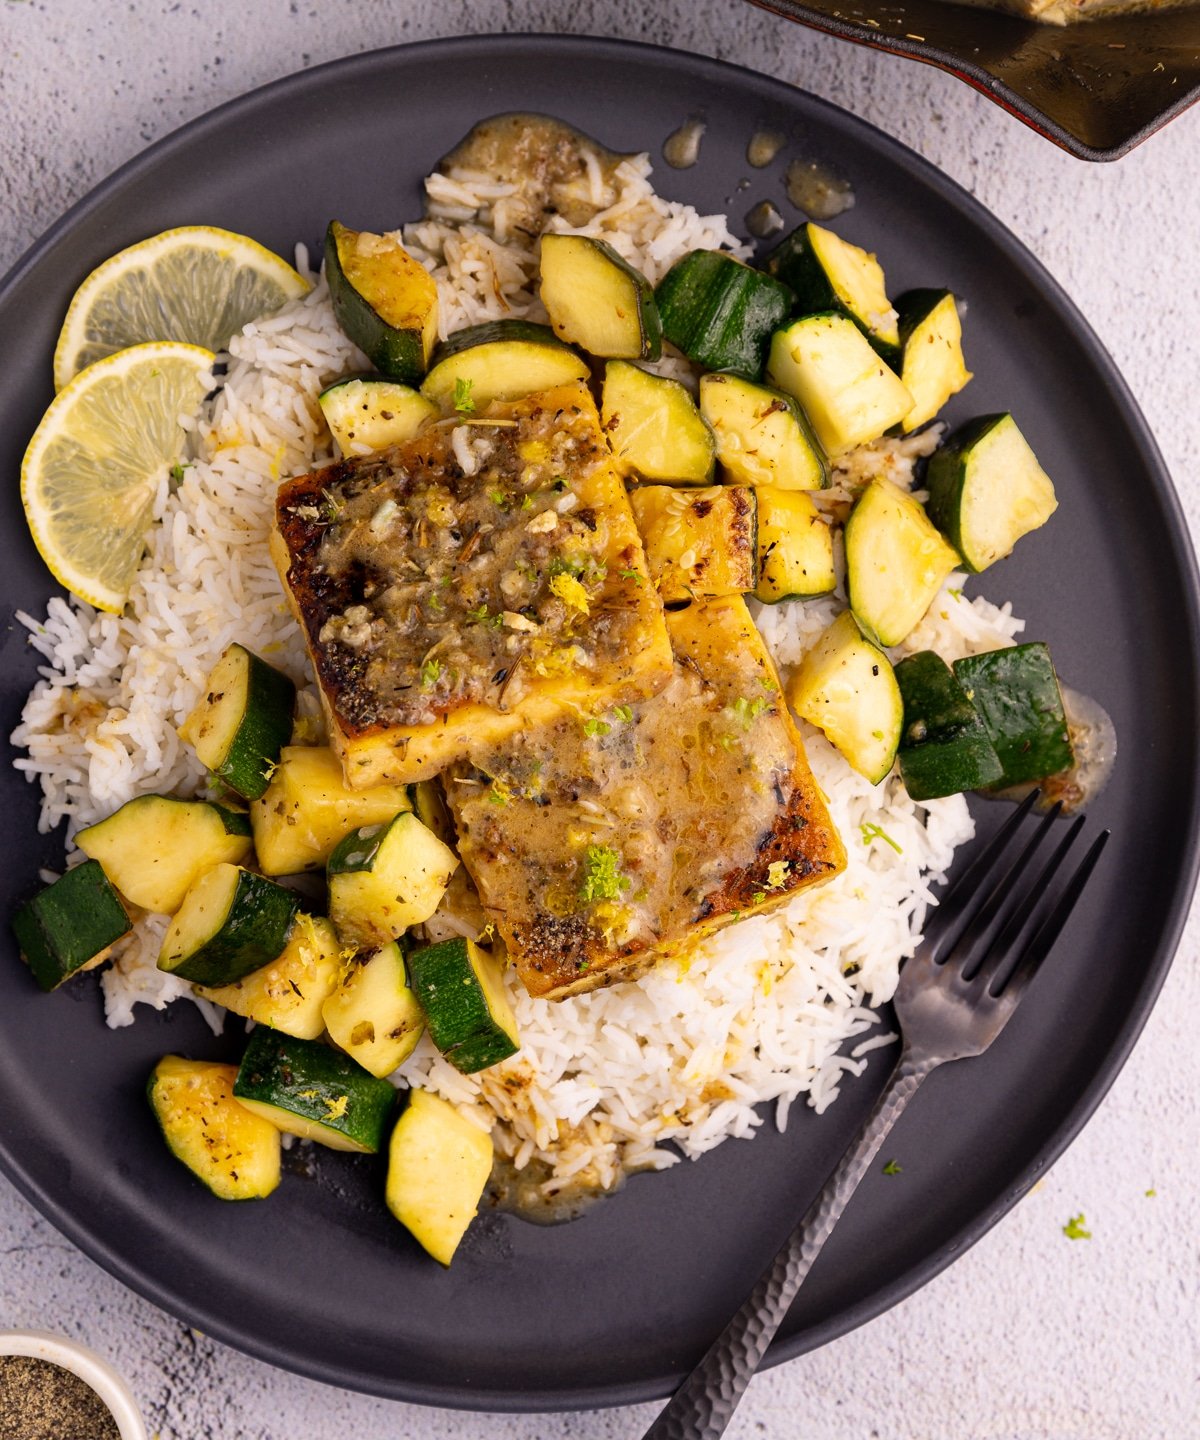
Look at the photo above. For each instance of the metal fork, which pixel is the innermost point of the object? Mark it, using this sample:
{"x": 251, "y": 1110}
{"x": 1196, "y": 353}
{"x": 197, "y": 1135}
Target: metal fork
{"x": 983, "y": 945}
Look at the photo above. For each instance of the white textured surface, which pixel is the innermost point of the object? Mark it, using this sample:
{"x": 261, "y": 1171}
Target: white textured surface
{"x": 1029, "y": 1336}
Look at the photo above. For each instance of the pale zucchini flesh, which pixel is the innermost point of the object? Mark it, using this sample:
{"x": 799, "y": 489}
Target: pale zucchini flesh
{"x": 596, "y": 300}
{"x": 932, "y": 366}
{"x": 846, "y": 687}
{"x": 848, "y": 393}
{"x": 155, "y": 847}
{"x": 231, "y": 922}
{"x": 761, "y": 434}
{"x": 795, "y": 547}
{"x": 385, "y": 878}
{"x": 987, "y": 490}
{"x": 499, "y": 360}
{"x": 232, "y": 1152}
{"x": 438, "y": 1167}
{"x": 289, "y": 992}
{"x": 308, "y": 808}
{"x": 654, "y": 428}
{"x": 365, "y": 414}
{"x": 828, "y": 272}
{"x": 242, "y": 721}
{"x": 384, "y": 299}
{"x": 373, "y": 1014}
{"x": 896, "y": 562}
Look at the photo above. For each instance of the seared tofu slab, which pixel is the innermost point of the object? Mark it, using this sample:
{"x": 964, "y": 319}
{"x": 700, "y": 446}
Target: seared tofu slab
{"x": 611, "y": 837}
{"x": 462, "y": 586}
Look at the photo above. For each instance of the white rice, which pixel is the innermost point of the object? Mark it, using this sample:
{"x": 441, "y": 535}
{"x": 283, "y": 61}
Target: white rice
{"x": 776, "y": 1008}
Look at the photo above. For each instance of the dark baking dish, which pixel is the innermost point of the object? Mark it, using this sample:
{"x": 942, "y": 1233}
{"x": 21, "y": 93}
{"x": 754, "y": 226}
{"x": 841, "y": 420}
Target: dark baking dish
{"x": 1097, "y": 88}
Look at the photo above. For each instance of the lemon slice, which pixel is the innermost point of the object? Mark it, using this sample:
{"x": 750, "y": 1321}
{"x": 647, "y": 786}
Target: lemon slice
{"x": 92, "y": 469}
{"x": 196, "y": 284}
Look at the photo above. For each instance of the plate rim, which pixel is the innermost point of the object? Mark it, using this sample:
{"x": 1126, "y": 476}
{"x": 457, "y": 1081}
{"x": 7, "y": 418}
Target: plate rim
{"x": 1072, "y": 319}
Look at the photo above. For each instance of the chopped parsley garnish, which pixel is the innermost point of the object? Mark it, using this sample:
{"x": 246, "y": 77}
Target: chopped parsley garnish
{"x": 624, "y": 713}
{"x": 594, "y": 726}
{"x": 480, "y": 616}
{"x": 500, "y": 793}
{"x": 602, "y": 878}
{"x": 499, "y": 499}
{"x": 429, "y": 674}
{"x": 1151, "y": 1193}
{"x": 634, "y": 575}
{"x": 891, "y": 1168}
{"x": 177, "y": 472}
{"x": 877, "y": 832}
{"x": 527, "y": 503}
{"x": 462, "y": 396}
{"x": 1074, "y": 1228}
{"x": 748, "y": 711}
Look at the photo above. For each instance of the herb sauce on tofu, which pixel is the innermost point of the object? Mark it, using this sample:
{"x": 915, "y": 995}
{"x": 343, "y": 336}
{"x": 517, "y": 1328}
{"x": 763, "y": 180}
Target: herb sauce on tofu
{"x": 487, "y": 565}
{"x": 609, "y": 838}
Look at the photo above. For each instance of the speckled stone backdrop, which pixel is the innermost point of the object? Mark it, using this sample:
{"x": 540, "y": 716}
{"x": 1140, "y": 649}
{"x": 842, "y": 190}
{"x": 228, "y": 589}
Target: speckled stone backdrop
{"x": 1030, "y": 1336}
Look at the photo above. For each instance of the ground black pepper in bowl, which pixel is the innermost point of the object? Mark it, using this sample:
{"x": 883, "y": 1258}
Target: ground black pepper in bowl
{"x": 43, "y": 1401}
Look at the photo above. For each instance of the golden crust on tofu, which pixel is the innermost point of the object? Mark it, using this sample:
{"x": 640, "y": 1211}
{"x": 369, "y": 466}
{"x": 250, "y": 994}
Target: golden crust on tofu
{"x": 612, "y": 837}
{"x": 464, "y": 585}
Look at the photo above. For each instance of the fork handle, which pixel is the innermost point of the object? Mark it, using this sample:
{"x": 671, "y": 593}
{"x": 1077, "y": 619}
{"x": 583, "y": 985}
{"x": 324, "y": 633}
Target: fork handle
{"x": 702, "y": 1406}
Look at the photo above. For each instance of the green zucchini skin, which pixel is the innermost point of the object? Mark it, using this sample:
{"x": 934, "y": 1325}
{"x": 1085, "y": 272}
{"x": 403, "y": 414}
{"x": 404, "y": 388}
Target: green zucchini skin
{"x": 796, "y": 263}
{"x": 721, "y": 313}
{"x": 944, "y": 746}
{"x": 466, "y": 1011}
{"x": 69, "y": 923}
{"x": 399, "y": 352}
{"x": 252, "y": 932}
{"x": 1016, "y": 693}
{"x": 588, "y": 289}
{"x": 496, "y": 332}
{"x": 984, "y": 461}
{"x": 242, "y": 721}
{"x": 914, "y": 307}
{"x": 333, "y": 1099}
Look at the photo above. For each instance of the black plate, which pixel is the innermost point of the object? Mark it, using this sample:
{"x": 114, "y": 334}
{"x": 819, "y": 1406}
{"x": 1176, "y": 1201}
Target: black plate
{"x": 615, "y": 1307}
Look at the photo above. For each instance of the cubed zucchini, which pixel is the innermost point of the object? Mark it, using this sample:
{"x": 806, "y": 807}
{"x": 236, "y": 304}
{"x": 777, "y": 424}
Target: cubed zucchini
{"x": 308, "y": 807}
{"x": 762, "y": 436}
{"x": 384, "y": 878}
{"x": 70, "y": 925}
{"x": 598, "y": 301}
{"x": 461, "y": 990}
{"x": 242, "y": 721}
{"x": 932, "y": 364}
{"x": 366, "y": 413}
{"x": 653, "y": 426}
{"x": 155, "y": 847}
{"x": 846, "y": 687}
{"x": 1017, "y": 695}
{"x": 438, "y": 1166}
{"x": 896, "y": 562}
{"x": 430, "y": 808}
{"x": 306, "y": 1088}
{"x": 720, "y": 312}
{"x": 699, "y": 543}
{"x": 384, "y": 300}
{"x": 986, "y": 490}
{"x": 288, "y": 993}
{"x": 373, "y": 1014}
{"x": 499, "y": 360}
{"x": 848, "y": 393}
{"x": 829, "y": 273}
{"x": 795, "y": 547}
{"x": 945, "y": 748}
{"x": 234, "y": 1153}
{"x": 230, "y": 923}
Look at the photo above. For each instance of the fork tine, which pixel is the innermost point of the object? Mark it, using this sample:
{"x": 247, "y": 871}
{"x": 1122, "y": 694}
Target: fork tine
{"x": 958, "y": 899}
{"x": 1047, "y": 933}
{"x": 994, "y": 961}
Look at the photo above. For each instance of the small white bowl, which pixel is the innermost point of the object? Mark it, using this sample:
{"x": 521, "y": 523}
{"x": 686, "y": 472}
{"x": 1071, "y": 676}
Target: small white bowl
{"x": 90, "y": 1368}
